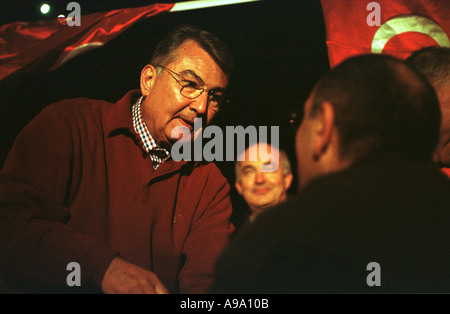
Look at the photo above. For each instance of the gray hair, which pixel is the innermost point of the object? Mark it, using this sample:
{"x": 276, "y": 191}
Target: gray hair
{"x": 433, "y": 62}
{"x": 216, "y": 48}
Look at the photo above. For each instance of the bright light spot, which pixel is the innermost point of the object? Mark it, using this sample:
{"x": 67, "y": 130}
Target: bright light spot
{"x": 45, "y": 8}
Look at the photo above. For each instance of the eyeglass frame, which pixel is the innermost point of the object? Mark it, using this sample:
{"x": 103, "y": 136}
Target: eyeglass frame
{"x": 221, "y": 106}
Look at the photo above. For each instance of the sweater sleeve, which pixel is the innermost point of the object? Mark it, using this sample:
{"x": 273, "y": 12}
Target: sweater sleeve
{"x": 209, "y": 235}
{"x": 36, "y": 244}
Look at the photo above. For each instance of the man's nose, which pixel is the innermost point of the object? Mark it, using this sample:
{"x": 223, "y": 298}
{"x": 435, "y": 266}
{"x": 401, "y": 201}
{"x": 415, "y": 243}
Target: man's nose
{"x": 200, "y": 104}
{"x": 260, "y": 177}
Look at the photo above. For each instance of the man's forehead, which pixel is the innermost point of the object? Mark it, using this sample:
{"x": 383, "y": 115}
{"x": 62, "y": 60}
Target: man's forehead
{"x": 192, "y": 60}
{"x": 249, "y": 164}
{"x": 260, "y": 152}
{"x": 192, "y": 51}
{"x": 187, "y": 46}
{"x": 443, "y": 94}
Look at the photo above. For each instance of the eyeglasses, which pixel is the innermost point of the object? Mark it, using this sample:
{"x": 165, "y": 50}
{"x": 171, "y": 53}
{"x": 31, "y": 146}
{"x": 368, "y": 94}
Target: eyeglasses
{"x": 217, "y": 100}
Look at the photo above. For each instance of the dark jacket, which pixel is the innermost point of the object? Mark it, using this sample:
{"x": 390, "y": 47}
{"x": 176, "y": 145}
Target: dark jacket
{"x": 384, "y": 209}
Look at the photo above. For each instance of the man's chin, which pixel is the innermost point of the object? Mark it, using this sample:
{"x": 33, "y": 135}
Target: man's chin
{"x": 181, "y": 139}
{"x": 263, "y": 206}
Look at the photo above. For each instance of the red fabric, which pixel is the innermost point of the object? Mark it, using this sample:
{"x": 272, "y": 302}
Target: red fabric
{"x": 76, "y": 187}
{"x": 446, "y": 171}
{"x": 349, "y": 34}
{"x": 24, "y": 46}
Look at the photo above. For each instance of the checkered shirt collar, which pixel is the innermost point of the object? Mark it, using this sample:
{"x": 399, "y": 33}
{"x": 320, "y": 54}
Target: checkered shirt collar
{"x": 156, "y": 153}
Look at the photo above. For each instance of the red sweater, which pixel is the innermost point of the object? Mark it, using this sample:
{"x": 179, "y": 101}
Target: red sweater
{"x": 76, "y": 187}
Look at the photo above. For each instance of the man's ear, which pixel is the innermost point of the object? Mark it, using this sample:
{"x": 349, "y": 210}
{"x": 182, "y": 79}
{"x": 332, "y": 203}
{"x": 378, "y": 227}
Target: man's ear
{"x": 288, "y": 180}
{"x": 148, "y": 76}
{"x": 324, "y": 129}
{"x": 238, "y": 187}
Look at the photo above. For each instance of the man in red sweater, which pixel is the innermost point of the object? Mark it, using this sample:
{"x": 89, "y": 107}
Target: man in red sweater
{"x": 93, "y": 183}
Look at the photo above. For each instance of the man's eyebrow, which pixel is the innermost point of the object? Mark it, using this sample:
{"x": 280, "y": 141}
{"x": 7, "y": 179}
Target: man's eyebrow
{"x": 200, "y": 80}
{"x": 193, "y": 74}
{"x": 247, "y": 167}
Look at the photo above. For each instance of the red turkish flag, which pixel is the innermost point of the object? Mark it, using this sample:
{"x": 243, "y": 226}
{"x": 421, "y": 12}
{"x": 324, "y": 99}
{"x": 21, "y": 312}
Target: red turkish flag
{"x": 48, "y": 44}
{"x": 404, "y": 26}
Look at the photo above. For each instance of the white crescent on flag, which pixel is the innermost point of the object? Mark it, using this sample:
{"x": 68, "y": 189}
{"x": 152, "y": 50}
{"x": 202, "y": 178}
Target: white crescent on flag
{"x": 404, "y": 26}
{"x": 408, "y": 23}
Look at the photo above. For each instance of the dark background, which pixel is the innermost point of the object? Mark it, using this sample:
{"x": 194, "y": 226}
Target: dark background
{"x": 279, "y": 50}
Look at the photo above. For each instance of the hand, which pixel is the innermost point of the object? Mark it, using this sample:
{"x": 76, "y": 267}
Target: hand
{"x": 123, "y": 277}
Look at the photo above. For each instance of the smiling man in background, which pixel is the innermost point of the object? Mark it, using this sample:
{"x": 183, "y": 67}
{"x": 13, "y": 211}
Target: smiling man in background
{"x": 263, "y": 178}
